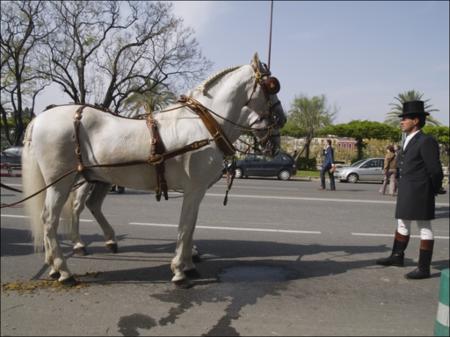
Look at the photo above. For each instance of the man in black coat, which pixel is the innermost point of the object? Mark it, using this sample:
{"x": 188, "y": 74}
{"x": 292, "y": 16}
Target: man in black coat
{"x": 420, "y": 179}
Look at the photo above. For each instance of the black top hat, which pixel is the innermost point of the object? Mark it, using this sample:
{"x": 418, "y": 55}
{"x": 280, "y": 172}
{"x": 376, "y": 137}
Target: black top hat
{"x": 413, "y": 108}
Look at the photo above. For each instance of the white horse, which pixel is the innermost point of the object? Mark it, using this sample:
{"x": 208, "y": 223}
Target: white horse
{"x": 240, "y": 98}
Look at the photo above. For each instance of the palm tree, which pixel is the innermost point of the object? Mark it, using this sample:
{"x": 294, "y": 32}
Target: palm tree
{"x": 397, "y": 107}
{"x": 156, "y": 98}
{"x": 310, "y": 115}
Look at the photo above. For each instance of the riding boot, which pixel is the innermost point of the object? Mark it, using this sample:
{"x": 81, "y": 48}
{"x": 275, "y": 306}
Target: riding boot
{"x": 425, "y": 254}
{"x": 398, "y": 252}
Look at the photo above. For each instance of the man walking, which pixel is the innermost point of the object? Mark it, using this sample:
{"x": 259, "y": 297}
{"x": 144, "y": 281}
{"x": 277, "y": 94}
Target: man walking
{"x": 420, "y": 179}
{"x": 328, "y": 166}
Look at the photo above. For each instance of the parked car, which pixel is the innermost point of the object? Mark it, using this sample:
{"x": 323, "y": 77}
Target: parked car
{"x": 281, "y": 165}
{"x": 12, "y": 156}
{"x": 370, "y": 169}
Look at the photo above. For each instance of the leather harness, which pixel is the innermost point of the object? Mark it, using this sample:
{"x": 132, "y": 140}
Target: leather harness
{"x": 158, "y": 154}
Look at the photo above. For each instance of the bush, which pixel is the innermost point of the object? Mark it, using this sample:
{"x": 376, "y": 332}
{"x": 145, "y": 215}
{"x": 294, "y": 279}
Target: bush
{"x": 306, "y": 164}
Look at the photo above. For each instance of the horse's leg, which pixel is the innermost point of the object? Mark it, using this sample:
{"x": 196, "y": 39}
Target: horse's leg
{"x": 183, "y": 254}
{"x": 54, "y": 202}
{"x": 94, "y": 203}
{"x": 80, "y": 197}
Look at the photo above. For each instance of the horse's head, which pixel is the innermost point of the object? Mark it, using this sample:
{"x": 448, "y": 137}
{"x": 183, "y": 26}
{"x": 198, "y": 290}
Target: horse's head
{"x": 266, "y": 116}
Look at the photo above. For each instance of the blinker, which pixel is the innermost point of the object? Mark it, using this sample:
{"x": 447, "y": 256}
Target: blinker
{"x": 271, "y": 85}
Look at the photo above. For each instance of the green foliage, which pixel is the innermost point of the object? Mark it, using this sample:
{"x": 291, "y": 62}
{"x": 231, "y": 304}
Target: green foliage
{"x": 392, "y": 118}
{"x": 292, "y": 129}
{"x": 440, "y": 133}
{"x": 306, "y": 163}
{"x": 310, "y": 114}
{"x": 360, "y": 130}
{"x": 306, "y": 117}
{"x": 363, "y": 129}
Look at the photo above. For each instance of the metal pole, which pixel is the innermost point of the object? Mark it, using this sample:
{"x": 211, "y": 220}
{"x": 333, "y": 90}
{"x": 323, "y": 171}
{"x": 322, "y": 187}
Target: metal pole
{"x": 270, "y": 32}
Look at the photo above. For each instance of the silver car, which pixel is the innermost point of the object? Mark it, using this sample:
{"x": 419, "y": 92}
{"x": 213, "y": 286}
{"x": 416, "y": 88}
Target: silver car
{"x": 370, "y": 169}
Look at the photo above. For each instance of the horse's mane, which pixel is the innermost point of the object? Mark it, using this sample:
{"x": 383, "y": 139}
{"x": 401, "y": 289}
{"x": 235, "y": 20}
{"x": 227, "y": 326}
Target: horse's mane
{"x": 207, "y": 83}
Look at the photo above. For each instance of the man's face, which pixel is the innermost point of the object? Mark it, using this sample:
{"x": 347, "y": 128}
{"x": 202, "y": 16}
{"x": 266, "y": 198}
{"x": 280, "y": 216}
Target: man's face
{"x": 409, "y": 124}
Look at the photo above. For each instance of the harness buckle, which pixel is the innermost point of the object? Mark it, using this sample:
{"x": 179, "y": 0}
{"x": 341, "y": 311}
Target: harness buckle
{"x": 155, "y": 159}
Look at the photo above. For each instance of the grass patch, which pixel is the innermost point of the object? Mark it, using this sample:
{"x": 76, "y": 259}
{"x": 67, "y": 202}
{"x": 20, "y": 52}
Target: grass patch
{"x": 313, "y": 174}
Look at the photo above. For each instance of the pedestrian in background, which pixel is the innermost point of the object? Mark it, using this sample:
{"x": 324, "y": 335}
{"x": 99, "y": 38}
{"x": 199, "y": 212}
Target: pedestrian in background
{"x": 328, "y": 166}
{"x": 420, "y": 179}
{"x": 390, "y": 171}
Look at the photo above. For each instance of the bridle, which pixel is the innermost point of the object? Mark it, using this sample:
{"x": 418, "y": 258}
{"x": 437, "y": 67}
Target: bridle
{"x": 270, "y": 86}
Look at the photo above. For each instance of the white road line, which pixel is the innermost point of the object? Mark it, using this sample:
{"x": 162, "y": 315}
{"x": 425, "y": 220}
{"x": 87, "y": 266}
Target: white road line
{"x": 247, "y": 229}
{"x": 230, "y": 196}
{"x": 392, "y": 235}
{"x": 270, "y": 197}
{"x": 266, "y": 230}
{"x": 25, "y": 216}
{"x": 253, "y": 196}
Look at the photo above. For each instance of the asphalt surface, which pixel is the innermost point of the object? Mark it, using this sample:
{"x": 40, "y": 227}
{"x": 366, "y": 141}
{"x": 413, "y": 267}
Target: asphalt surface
{"x": 282, "y": 258}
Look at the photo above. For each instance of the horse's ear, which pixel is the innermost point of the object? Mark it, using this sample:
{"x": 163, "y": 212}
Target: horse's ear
{"x": 255, "y": 61}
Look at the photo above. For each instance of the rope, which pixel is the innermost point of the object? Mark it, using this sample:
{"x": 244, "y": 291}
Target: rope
{"x": 10, "y": 188}
{"x": 38, "y": 192}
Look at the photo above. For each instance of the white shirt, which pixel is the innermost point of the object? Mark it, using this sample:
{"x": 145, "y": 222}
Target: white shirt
{"x": 408, "y": 138}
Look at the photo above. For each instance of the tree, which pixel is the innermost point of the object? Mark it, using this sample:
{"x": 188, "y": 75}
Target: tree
{"x": 307, "y": 116}
{"x": 148, "y": 101}
{"x": 22, "y": 31}
{"x": 441, "y": 134}
{"x": 360, "y": 130}
{"x": 397, "y": 108}
{"x": 105, "y": 51}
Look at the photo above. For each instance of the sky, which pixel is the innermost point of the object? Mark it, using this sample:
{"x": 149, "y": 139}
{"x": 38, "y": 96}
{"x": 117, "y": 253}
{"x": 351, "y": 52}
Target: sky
{"x": 359, "y": 54}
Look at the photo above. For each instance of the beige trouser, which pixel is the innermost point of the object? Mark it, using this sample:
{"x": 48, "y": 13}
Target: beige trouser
{"x": 389, "y": 176}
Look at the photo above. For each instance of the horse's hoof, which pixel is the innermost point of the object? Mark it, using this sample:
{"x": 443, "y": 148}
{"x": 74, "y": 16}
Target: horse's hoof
{"x": 183, "y": 284}
{"x": 80, "y": 251}
{"x": 196, "y": 258}
{"x": 192, "y": 273}
{"x": 55, "y": 275}
{"x": 112, "y": 247}
{"x": 69, "y": 282}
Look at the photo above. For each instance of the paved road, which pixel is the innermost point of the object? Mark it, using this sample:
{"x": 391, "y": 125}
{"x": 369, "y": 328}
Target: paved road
{"x": 281, "y": 259}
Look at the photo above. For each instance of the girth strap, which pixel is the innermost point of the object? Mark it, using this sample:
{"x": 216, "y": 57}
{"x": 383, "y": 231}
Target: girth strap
{"x": 156, "y": 151}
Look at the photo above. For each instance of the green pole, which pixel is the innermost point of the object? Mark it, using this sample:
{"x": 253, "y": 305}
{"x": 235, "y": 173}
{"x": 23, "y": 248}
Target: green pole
{"x": 441, "y": 327}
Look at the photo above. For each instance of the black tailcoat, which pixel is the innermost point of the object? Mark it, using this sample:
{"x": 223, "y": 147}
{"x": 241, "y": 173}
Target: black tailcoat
{"x": 420, "y": 178}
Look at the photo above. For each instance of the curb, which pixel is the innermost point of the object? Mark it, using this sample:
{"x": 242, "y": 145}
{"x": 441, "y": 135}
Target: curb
{"x": 441, "y": 327}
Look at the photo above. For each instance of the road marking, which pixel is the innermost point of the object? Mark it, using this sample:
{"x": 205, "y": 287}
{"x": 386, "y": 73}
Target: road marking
{"x": 25, "y": 216}
{"x": 309, "y": 199}
{"x": 266, "y": 230}
{"x": 392, "y": 235}
{"x": 247, "y": 229}
{"x": 254, "y": 196}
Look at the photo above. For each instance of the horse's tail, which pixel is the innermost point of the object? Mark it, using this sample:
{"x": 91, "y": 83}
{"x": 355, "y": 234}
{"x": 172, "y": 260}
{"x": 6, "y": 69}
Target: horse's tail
{"x": 66, "y": 218}
{"x": 32, "y": 181}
